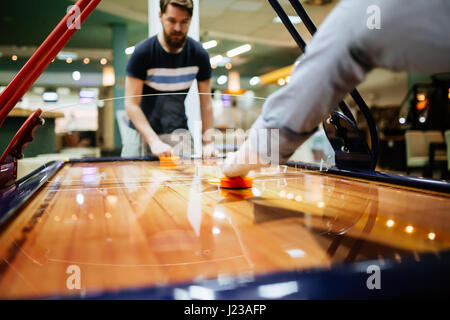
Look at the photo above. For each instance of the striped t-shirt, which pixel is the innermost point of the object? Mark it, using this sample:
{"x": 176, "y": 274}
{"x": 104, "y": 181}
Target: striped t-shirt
{"x": 164, "y": 72}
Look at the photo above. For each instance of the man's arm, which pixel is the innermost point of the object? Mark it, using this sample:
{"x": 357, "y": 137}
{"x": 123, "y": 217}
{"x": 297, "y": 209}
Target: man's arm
{"x": 204, "y": 89}
{"x": 133, "y": 92}
{"x": 338, "y": 58}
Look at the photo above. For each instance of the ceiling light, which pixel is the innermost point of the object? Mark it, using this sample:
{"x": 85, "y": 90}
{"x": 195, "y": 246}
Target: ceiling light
{"x": 129, "y": 50}
{"x": 14, "y": 58}
{"x": 86, "y": 60}
{"x": 222, "y": 80}
{"x": 422, "y": 119}
{"x": 239, "y": 50}
{"x": 103, "y": 61}
{"x": 69, "y": 60}
{"x": 64, "y": 55}
{"x": 402, "y": 120}
{"x": 216, "y": 59}
{"x": 293, "y": 19}
{"x": 254, "y": 81}
{"x": 228, "y": 66}
{"x": 281, "y": 82}
{"x": 210, "y": 44}
{"x": 76, "y": 75}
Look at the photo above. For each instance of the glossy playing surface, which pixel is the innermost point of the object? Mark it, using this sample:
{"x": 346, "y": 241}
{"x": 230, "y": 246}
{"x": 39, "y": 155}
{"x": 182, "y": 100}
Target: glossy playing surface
{"x": 142, "y": 224}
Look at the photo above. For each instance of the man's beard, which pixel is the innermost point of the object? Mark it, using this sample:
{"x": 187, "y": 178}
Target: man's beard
{"x": 173, "y": 44}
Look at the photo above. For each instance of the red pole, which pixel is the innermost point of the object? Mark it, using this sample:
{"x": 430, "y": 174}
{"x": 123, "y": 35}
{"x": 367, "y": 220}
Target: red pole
{"x": 42, "y": 57}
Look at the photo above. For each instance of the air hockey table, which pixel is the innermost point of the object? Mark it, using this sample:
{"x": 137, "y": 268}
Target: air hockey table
{"x": 136, "y": 228}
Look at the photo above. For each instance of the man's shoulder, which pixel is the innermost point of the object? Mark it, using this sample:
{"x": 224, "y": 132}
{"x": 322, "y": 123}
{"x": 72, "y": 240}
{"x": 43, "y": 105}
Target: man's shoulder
{"x": 145, "y": 44}
{"x": 197, "y": 48}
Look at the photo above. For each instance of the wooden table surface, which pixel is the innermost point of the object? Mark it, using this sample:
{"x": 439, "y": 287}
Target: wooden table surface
{"x": 138, "y": 224}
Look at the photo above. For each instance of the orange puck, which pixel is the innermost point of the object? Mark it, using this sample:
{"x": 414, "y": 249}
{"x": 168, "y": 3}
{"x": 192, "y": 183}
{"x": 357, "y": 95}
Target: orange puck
{"x": 168, "y": 162}
{"x": 236, "y": 182}
{"x": 169, "y": 159}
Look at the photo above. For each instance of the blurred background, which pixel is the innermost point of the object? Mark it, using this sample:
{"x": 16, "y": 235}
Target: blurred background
{"x": 411, "y": 110}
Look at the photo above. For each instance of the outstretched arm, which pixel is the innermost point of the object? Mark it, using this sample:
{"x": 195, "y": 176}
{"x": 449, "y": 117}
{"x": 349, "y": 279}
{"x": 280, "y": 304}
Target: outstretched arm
{"x": 133, "y": 91}
{"x": 413, "y": 36}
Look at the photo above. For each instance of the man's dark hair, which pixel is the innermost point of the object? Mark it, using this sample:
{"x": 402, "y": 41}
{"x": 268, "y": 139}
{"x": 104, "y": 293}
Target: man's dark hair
{"x": 188, "y": 5}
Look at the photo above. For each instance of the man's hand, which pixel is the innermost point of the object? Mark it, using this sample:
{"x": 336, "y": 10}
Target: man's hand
{"x": 239, "y": 163}
{"x": 209, "y": 151}
{"x": 161, "y": 149}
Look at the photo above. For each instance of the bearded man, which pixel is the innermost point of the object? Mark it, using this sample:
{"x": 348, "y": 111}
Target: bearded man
{"x": 160, "y": 73}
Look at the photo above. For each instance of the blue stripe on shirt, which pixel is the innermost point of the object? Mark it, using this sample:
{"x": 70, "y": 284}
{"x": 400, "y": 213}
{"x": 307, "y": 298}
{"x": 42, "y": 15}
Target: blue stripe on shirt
{"x": 171, "y": 79}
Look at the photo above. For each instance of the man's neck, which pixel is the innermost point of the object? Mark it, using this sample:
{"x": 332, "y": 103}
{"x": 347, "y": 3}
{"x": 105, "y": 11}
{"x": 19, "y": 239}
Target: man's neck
{"x": 165, "y": 46}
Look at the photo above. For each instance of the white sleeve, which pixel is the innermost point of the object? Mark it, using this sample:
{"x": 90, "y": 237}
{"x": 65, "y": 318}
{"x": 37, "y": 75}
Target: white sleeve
{"x": 413, "y": 36}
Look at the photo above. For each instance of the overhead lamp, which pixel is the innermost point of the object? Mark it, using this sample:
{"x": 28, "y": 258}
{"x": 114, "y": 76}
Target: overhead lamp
{"x": 222, "y": 80}
{"x": 239, "y": 50}
{"x": 103, "y": 61}
{"x": 50, "y": 96}
{"x": 216, "y": 59}
{"x": 254, "y": 81}
{"x": 210, "y": 44}
{"x": 129, "y": 50}
{"x": 76, "y": 75}
{"x": 64, "y": 55}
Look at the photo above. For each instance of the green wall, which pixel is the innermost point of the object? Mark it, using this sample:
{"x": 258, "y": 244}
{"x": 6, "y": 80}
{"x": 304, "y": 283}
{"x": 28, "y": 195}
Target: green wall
{"x": 44, "y": 136}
